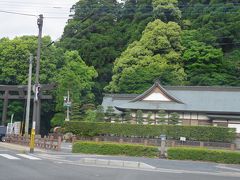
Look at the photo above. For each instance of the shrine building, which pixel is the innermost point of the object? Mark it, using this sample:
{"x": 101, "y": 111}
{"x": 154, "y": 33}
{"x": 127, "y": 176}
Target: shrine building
{"x": 196, "y": 105}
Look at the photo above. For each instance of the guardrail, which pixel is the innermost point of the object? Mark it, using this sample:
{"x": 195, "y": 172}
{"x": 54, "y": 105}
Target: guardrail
{"x": 47, "y": 142}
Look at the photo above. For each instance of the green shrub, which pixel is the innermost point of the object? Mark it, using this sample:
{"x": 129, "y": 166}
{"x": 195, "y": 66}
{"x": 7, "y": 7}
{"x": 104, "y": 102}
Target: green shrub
{"x": 194, "y": 133}
{"x": 58, "y": 120}
{"x": 201, "y": 154}
{"x": 114, "y": 149}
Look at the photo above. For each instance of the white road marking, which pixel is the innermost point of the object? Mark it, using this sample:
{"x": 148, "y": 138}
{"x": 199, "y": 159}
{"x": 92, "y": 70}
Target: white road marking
{"x": 9, "y": 156}
{"x": 228, "y": 168}
{"x": 29, "y": 157}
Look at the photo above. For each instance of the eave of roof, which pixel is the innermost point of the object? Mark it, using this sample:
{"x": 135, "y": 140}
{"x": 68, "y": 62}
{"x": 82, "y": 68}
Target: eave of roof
{"x": 229, "y": 117}
{"x": 180, "y": 110}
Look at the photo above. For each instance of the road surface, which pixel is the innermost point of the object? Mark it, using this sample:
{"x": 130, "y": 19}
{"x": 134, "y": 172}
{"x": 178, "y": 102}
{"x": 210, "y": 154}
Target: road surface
{"x": 19, "y": 165}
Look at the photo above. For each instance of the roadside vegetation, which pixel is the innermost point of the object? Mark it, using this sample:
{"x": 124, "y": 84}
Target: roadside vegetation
{"x": 106, "y": 148}
{"x": 174, "y": 153}
{"x": 194, "y": 133}
{"x": 202, "y": 154}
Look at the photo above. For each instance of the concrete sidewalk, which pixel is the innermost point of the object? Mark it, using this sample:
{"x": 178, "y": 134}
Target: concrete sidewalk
{"x": 18, "y": 147}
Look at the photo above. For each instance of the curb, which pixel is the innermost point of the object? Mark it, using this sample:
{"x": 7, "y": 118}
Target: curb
{"x": 116, "y": 163}
{"x": 18, "y": 147}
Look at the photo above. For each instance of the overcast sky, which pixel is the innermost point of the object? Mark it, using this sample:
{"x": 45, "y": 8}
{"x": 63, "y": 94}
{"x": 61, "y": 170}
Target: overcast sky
{"x": 12, "y": 25}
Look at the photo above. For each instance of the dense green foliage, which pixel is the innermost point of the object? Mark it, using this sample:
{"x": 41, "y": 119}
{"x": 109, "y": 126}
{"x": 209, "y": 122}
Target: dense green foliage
{"x": 155, "y": 56}
{"x": 114, "y": 149}
{"x": 201, "y": 154}
{"x": 203, "y": 53}
{"x": 197, "y": 133}
{"x": 67, "y": 70}
{"x": 211, "y": 50}
{"x": 14, "y": 62}
{"x": 77, "y": 78}
{"x": 58, "y": 119}
{"x": 101, "y": 29}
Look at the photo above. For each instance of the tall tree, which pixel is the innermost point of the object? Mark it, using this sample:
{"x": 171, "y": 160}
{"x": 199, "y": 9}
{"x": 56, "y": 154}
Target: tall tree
{"x": 100, "y": 113}
{"x": 204, "y": 64}
{"x": 149, "y": 117}
{"x": 128, "y": 116}
{"x": 231, "y": 68}
{"x": 77, "y": 78}
{"x": 155, "y": 55}
{"x": 109, "y": 114}
{"x": 166, "y": 10}
{"x": 14, "y": 62}
{"x": 139, "y": 117}
{"x": 161, "y": 117}
{"x": 173, "y": 118}
{"x": 218, "y": 22}
{"x": 101, "y": 29}
{"x": 92, "y": 33}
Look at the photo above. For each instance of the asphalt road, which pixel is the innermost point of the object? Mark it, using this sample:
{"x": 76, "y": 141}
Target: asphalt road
{"x": 15, "y": 165}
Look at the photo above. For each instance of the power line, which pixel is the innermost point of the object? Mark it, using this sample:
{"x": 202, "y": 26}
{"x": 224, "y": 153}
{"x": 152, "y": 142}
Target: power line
{"x": 23, "y": 14}
{"x": 30, "y": 6}
{"x": 33, "y": 15}
{"x": 126, "y": 11}
{"x": 42, "y": 12}
{"x": 34, "y": 3}
{"x": 55, "y": 17}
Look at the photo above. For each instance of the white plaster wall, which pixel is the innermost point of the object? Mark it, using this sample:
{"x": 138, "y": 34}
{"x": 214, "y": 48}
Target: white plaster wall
{"x": 237, "y": 126}
{"x": 156, "y": 97}
{"x": 186, "y": 116}
{"x": 202, "y": 117}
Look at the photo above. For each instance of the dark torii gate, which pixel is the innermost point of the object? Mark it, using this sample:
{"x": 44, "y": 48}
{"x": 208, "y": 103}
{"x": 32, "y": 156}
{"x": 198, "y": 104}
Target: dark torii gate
{"x": 19, "y": 92}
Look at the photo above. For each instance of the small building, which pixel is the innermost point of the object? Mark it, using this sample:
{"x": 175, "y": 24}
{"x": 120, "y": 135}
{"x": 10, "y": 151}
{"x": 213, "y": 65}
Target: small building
{"x": 196, "y": 105}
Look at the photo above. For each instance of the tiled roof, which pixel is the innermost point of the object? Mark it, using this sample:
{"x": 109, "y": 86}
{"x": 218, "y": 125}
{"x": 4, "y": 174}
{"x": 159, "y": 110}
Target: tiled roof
{"x": 201, "y": 99}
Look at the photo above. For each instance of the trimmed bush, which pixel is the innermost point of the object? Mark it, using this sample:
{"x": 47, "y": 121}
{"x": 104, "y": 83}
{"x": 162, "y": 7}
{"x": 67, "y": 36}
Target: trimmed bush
{"x": 201, "y": 154}
{"x": 194, "y": 133}
{"x": 114, "y": 149}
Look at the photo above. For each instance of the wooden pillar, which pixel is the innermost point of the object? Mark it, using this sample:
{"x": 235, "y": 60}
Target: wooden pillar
{"x": 5, "y": 106}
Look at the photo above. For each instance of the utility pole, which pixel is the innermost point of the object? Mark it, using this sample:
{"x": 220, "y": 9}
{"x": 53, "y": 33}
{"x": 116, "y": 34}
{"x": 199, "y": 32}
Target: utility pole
{"x": 28, "y": 95}
{"x": 36, "y": 107}
{"x": 37, "y": 84}
{"x": 68, "y": 106}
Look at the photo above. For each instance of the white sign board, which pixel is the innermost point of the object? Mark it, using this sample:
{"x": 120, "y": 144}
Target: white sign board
{"x": 237, "y": 126}
{"x": 14, "y": 128}
{"x": 9, "y": 128}
{"x": 17, "y": 127}
{"x": 182, "y": 138}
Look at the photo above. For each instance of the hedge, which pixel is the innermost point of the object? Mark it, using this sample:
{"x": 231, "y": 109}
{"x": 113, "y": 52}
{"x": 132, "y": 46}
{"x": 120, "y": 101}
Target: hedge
{"x": 201, "y": 154}
{"x": 193, "y": 133}
{"x": 114, "y": 149}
